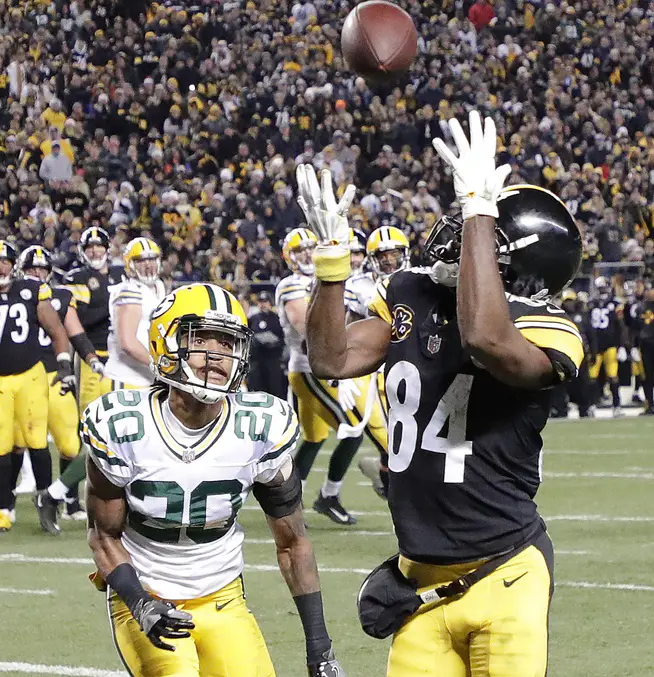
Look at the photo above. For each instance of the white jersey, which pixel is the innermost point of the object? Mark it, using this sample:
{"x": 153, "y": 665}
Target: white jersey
{"x": 120, "y": 366}
{"x": 296, "y": 286}
{"x": 184, "y": 487}
{"x": 359, "y": 290}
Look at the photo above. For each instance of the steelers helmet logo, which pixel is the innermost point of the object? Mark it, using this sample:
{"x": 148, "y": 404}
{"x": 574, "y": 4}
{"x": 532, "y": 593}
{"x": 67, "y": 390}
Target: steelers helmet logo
{"x": 402, "y": 323}
{"x": 93, "y": 283}
{"x": 25, "y": 294}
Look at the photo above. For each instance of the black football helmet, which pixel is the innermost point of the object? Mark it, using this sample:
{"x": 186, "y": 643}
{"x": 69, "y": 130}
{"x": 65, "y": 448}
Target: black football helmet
{"x": 93, "y": 235}
{"x": 539, "y": 245}
{"x": 603, "y": 289}
{"x": 10, "y": 253}
{"x": 35, "y": 256}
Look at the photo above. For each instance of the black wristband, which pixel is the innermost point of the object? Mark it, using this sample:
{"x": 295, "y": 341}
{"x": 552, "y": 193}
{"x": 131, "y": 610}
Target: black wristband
{"x": 125, "y": 582}
{"x": 309, "y": 607}
{"x": 82, "y": 345}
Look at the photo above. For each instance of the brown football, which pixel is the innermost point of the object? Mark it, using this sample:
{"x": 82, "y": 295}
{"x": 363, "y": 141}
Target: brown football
{"x": 379, "y": 40}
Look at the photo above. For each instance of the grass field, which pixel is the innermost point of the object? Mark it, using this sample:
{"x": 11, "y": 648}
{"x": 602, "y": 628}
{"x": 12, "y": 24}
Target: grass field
{"x": 597, "y": 496}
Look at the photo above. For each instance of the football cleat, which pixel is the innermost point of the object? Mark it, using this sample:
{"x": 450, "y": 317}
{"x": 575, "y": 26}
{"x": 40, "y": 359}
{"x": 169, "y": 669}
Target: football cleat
{"x": 617, "y": 412}
{"x": 331, "y": 507}
{"x": 371, "y": 468}
{"x": 48, "y": 509}
{"x": 74, "y": 511}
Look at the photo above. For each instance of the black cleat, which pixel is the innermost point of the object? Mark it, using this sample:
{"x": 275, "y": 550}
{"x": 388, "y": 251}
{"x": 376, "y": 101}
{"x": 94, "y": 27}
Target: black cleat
{"x": 331, "y": 507}
{"x": 648, "y": 412}
{"x": 48, "y": 510}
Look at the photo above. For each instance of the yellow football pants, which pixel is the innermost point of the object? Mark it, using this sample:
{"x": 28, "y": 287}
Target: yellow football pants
{"x": 226, "y": 641}
{"x": 498, "y": 628}
{"x": 637, "y": 369}
{"x": 609, "y": 358}
{"x": 91, "y": 385}
{"x": 63, "y": 421}
{"x": 319, "y": 410}
{"x": 24, "y": 405}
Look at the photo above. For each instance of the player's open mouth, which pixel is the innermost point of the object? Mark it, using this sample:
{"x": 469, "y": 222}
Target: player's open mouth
{"x": 214, "y": 374}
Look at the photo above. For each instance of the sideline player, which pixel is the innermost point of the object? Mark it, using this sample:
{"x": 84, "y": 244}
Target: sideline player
{"x": 317, "y": 402}
{"x": 90, "y": 286}
{"x": 25, "y": 309}
{"x": 387, "y": 252}
{"x": 130, "y": 305}
{"x": 469, "y": 365}
{"x": 607, "y": 337}
{"x": 169, "y": 469}
{"x": 35, "y": 263}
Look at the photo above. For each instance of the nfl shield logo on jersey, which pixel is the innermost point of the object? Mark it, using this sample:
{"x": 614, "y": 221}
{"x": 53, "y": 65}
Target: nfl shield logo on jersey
{"x": 434, "y": 344}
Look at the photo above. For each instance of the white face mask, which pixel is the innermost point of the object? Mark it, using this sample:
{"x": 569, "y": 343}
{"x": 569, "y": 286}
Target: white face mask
{"x": 446, "y": 274}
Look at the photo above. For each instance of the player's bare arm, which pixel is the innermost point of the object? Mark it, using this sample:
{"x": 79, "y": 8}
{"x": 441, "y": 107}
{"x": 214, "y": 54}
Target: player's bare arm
{"x": 296, "y": 311}
{"x": 107, "y": 510}
{"x": 80, "y": 341}
{"x": 107, "y": 513}
{"x": 334, "y": 351}
{"x": 128, "y": 317}
{"x": 337, "y": 350}
{"x": 485, "y": 325}
{"x": 50, "y": 321}
{"x": 281, "y": 501}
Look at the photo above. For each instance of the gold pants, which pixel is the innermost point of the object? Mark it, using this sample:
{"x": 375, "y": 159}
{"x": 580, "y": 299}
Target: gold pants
{"x": 226, "y": 641}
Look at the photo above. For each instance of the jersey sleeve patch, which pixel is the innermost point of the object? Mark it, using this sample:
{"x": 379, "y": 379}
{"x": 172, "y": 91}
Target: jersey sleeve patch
{"x": 81, "y": 293}
{"x": 45, "y": 293}
{"x": 281, "y": 442}
{"x": 93, "y": 431}
{"x": 379, "y": 305}
{"x": 558, "y": 337}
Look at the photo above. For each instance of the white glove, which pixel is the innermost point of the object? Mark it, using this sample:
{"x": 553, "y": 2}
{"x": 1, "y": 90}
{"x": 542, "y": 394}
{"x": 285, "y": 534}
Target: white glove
{"x": 477, "y": 182}
{"x": 97, "y": 367}
{"x": 348, "y": 391}
{"x": 622, "y": 354}
{"x": 326, "y": 218}
{"x": 635, "y": 355}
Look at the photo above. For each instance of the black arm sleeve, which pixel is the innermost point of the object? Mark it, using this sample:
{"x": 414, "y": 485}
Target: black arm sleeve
{"x": 281, "y": 500}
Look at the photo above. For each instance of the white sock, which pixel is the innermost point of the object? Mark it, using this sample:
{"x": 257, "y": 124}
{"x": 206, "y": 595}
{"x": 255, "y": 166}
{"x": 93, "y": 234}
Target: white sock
{"x": 330, "y": 488}
{"x": 58, "y": 490}
{"x": 27, "y": 474}
{"x": 304, "y": 486}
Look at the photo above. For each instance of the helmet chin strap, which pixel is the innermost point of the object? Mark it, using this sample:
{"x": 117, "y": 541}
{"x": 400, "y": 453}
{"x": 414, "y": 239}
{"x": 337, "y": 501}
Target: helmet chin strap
{"x": 446, "y": 274}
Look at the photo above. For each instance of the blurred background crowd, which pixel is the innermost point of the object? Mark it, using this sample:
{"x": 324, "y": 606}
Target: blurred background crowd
{"x": 184, "y": 121}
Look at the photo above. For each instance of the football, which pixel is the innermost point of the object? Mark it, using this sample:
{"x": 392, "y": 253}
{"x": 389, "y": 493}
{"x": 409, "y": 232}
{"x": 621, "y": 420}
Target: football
{"x": 379, "y": 40}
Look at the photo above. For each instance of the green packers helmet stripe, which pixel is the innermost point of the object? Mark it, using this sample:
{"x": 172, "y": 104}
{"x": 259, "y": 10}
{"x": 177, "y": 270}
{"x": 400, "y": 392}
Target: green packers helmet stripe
{"x": 228, "y": 301}
{"x": 212, "y": 297}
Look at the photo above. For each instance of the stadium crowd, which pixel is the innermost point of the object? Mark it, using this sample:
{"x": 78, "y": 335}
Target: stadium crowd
{"x": 186, "y": 122}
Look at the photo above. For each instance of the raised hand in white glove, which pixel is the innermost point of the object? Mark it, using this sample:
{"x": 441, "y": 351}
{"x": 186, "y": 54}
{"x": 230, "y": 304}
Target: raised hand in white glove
{"x": 477, "y": 182}
{"x": 622, "y": 354}
{"x": 348, "y": 391}
{"x": 328, "y": 220}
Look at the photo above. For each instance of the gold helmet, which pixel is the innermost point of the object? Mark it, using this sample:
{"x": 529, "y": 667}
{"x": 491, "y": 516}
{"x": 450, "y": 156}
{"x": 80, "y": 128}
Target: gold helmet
{"x": 174, "y": 324}
{"x": 387, "y": 239}
{"x": 142, "y": 249}
{"x": 298, "y": 240}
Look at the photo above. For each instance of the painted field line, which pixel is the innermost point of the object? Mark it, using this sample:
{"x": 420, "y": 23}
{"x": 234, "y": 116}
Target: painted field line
{"x": 601, "y": 475}
{"x": 65, "y": 670}
{"x": 596, "y": 518}
{"x": 26, "y": 591}
{"x": 594, "y": 452}
{"x": 604, "y": 586}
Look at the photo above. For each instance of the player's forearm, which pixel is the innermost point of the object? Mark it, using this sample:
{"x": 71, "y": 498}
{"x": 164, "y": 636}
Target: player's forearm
{"x": 297, "y": 564}
{"x": 108, "y": 551}
{"x": 482, "y": 311}
{"x": 135, "y": 349}
{"x": 326, "y": 335}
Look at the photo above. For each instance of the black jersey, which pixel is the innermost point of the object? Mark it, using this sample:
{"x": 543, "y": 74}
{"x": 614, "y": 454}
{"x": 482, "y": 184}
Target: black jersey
{"x": 464, "y": 448}
{"x": 19, "y": 325}
{"x": 91, "y": 291}
{"x": 605, "y": 323}
{"x": 646, "y": 321}
{"x": 61, "y": 300}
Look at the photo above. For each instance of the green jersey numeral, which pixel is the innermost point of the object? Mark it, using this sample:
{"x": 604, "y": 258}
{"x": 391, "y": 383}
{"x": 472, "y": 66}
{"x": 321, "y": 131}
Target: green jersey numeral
{"x": 168, "y": 529}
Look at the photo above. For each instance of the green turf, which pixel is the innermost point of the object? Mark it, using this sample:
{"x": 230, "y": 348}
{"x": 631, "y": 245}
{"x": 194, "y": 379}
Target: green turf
{"x": 595, "y": 632}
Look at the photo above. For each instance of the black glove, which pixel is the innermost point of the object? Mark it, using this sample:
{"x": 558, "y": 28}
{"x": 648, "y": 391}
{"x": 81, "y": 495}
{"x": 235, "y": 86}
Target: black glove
{"x": 161, "y": 619}
{"x": 64, "y": 375}
{"x": 328, "y": 666}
